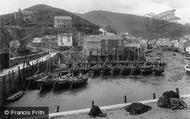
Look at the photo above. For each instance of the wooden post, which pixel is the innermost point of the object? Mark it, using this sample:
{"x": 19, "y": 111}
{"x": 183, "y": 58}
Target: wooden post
{"x": 125, "y": 99}
{"x": 57, "y": 109}
{"x": 9, "y": 79}
{"x": 92, "y": 103}
{"x": 13, "y": 79}
{"x": 177, "y": 90}
{"x": 19, "y": 73}
{"x": 154, "y": 96}
{"x": 13, "y": 75}
{"x": 53, "y": 86}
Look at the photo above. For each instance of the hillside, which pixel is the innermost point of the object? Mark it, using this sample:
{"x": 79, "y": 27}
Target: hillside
{"x": 42, "y": 20}
{"x": 131, "y": 23}
{"x": 120, "y": 22}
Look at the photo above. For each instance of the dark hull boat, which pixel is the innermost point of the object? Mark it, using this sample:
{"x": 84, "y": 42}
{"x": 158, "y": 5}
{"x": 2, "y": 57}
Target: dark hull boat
{"x": 78, "y": 82}
{"x": 46, "y": 83}
{"x": 135, "y": 70}
{"x": 15, "y": 96}
{"x": 146, "y": 70}
{"x": 46, "y": 86}
{"x": 75, "y": 72}
{"x": 97, "y": 72}
{"x": 84, "y": 71}
{"x": 116, "y": 71}
{"x": 126, "y": 71}
{"x": 158, "y": 71}
{"x": 31, "y": 81}
{"x": 106, "y": 71}
{"x": 61, "y": 83}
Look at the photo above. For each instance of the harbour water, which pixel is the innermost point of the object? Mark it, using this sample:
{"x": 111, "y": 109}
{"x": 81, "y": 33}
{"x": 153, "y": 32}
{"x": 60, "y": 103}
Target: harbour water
{"x": 105, "y": 91}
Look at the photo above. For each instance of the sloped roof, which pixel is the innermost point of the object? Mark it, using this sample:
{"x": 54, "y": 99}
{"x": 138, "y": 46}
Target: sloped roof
{"x": 63, "y": 17}
{"x": 103, "y": 37}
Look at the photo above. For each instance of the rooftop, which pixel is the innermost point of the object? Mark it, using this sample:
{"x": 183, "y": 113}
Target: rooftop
{"x": 103, "y": 37}
{"x": 63, "y": 17}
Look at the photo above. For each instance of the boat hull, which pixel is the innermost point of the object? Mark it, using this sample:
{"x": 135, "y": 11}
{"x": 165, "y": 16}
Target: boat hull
{"x": 146, "y": 71}
{"x": 78, "y": 83}
{"x": 135, "y": 71}
{"x": 126, "y": 71}
{"x": 15, "y": 97}
{"x": 116, "y": 72}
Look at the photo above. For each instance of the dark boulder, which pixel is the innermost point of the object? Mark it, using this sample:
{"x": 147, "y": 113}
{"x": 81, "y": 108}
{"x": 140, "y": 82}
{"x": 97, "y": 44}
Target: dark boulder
{"x": 96, "y": 111}
{"x": 137, "y": 108}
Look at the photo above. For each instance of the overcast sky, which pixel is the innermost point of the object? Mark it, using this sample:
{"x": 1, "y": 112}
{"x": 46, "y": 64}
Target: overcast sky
{"x": 138, "y": 7}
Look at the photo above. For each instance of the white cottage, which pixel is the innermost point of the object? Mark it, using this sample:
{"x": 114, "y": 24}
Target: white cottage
{"x": 65, "y": 39}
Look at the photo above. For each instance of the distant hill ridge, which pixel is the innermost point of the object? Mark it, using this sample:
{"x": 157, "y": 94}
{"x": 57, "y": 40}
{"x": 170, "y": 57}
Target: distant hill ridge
{"x": 121, "y": 22}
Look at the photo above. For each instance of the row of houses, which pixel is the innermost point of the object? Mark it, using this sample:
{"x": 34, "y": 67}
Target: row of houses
{"x": 182, "y": 44}
{"x": 112, "y": 45}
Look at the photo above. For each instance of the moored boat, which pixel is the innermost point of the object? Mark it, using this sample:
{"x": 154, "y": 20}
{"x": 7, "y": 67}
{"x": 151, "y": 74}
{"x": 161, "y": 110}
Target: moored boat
{"x": 46, "y": 83}
{"x": 116, "y": 71}
{"x": 31, "y": 81}
{"x": 126, "y": 70}
{"x": 15, "y": 96}
{"x": 62, "y": 83}
{"x": 146, "y": 70}
{"x": 79, "y": 81}
{"x": 135, "y": 70}
{"x": 158, "y": 70}
{"x": 106, "y": 71}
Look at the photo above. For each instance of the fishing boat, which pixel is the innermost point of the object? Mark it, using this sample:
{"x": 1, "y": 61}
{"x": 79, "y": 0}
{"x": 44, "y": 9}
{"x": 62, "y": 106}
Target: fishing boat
{"x": 79, "y": 81}
{"x": 158, "y": 70}
{"x": 116, "y": 70}
{"x": 106, "y": 71}
{"x": 135, "y": 70}
{"x": 47, "y": 82}
{"x": 15, "y": 96}
{"x": 146, "y": 70}
{"x": 126, "y": 70}
{"x": 75, "y": 72}
{"x": 187, "y": 68}
{"x": 62, "y": 83}
{"x": 31, "y": 81}
{"x": 97, "y": 70}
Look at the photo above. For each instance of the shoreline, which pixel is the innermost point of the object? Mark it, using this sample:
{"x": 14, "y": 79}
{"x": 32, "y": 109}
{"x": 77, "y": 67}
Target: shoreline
{"x": 74, "y": 114}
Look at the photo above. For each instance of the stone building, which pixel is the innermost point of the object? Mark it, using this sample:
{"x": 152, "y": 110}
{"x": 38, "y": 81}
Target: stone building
{"x": 102, "y": 44}
{"x": 64, "y": 22}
